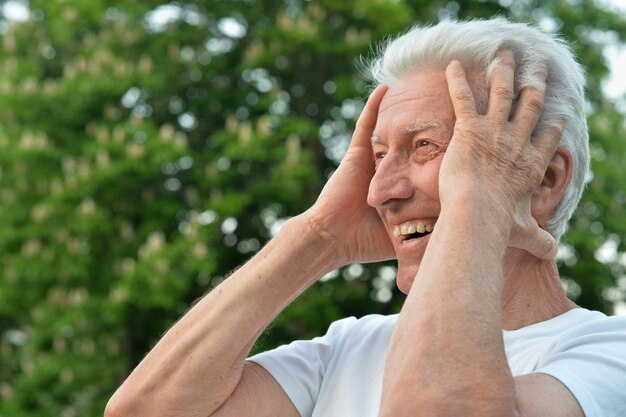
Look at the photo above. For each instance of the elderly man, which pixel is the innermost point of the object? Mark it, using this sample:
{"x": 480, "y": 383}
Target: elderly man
{"x": 456, "y": 170}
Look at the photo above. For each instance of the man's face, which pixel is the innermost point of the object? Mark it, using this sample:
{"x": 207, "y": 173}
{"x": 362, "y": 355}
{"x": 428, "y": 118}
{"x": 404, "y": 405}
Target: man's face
{"x": 415, "y": 124}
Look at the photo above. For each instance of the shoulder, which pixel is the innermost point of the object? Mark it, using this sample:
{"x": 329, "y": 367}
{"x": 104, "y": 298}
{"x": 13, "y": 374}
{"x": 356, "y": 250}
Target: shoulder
{"x": 587, "y": 356}
{"x": 351, "y": 350}
{"x": 370, "y": 324}
{"x": 344, "y": 334}
{"x": 569, "y": 326}
{"x": 586, "y": 327}
{"x": 352, "y": 331}
{"x": 577, "y": 337}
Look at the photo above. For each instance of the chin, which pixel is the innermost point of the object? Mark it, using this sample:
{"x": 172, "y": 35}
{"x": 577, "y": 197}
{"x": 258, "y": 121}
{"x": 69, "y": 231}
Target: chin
{"x": 406, "y": 276}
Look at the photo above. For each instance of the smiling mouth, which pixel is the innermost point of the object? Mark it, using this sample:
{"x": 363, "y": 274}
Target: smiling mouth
{"x": 412, "y": 236}
{"x": 412, "y": 230}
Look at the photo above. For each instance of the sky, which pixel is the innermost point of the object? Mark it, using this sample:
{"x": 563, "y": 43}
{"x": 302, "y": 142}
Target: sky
{"x": 615, "y": 87}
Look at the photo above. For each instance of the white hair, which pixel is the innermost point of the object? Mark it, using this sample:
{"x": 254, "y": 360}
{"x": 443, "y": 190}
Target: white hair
{"x": 475, "y": 44}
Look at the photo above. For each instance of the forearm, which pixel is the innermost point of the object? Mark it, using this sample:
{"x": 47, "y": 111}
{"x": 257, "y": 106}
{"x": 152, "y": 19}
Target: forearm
{"x": 198, "y": 363}
{"x": 446, "y": 355}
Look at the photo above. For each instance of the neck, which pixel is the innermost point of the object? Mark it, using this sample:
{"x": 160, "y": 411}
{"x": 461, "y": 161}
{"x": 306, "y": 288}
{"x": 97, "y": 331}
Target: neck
{"x": 532, "y": 291}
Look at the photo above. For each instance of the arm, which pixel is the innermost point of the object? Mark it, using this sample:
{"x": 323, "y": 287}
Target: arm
{"x": 199, "y": 362}
{"x": 452, "y": 318}
{"x": 198, "y": 368}
{"x": 449, "y": 334}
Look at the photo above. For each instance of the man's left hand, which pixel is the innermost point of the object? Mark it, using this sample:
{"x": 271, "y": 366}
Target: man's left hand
{"x": 495, "y": 158}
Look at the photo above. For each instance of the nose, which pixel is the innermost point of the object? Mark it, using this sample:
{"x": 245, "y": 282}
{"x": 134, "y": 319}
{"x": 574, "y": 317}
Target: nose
{"x": 391, "y": 183}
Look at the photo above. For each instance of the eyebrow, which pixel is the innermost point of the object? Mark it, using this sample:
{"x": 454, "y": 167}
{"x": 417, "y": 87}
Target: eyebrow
{"x": 419, "y": 127}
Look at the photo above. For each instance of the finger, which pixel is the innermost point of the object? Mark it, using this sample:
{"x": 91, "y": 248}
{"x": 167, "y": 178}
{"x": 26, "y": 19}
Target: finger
{"x": 530, "y": 105}
{"x": 502, "y": 85}
{"x": 366, "y": 123}
{"x": 541, "y": 244}
{"x": 547, "y": 139}
{"x": 460, "y": 92}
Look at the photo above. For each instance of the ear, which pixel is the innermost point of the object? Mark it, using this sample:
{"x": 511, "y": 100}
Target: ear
{"x": 548, "y": 195}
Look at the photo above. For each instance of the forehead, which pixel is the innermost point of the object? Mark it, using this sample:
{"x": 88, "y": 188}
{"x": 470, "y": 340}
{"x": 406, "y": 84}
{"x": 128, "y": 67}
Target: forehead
{"x": 419, "y": 97}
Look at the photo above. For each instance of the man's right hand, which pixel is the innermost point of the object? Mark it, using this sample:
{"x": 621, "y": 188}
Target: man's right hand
{"x": 341, "y": 214}
{"x": 198, "y": 368}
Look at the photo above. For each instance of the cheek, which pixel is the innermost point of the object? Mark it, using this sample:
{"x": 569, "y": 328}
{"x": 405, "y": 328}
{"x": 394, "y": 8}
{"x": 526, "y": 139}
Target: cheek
{"x": 427, "y": 177}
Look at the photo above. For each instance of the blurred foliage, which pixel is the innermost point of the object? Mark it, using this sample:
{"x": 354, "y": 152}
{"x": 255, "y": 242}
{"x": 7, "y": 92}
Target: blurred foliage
{"x": 146, "y": 150}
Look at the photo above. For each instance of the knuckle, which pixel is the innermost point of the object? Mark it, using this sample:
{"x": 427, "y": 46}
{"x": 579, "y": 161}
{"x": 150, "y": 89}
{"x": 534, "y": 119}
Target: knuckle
{"x": 536, "y": 177}
{"x": 503, "y": 92}
{"x": 535, "y": 105}
{"x": 463, "y": 94}
{"x": 533, "y": 171}
{"x": 469, "y": 132}
{"x": 554, "y": 132}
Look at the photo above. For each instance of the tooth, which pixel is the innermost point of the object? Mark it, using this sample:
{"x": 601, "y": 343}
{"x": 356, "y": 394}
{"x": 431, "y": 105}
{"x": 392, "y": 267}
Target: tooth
{"x": 396, "y": 231}
{"x": 420, "y": 228}
{"x": 405, "y": 229}
{"x": 412, "y": 229}
{"x": 428, "y": 228}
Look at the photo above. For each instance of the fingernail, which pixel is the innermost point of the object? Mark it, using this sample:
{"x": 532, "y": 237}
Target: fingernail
{"x": 455, "y": 66}
{"x": 506, "y": 55}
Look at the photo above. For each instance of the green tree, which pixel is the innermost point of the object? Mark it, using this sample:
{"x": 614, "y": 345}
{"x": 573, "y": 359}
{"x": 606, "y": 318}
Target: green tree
{"x": 146, "y": 150}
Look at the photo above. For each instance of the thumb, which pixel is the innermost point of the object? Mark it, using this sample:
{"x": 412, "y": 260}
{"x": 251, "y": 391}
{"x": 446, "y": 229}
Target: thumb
{"x": 538, "y": 242}
{"x": 367, "y": 120}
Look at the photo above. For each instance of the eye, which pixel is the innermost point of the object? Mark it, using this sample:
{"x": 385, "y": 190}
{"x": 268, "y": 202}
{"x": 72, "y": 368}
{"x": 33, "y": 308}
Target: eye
{"x": 425, "y": 150}
{"x": 378, "y": 157}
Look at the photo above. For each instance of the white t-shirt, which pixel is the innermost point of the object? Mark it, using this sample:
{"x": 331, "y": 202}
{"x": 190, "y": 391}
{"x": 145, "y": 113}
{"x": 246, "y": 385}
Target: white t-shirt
{"x": 341, "y": 373}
